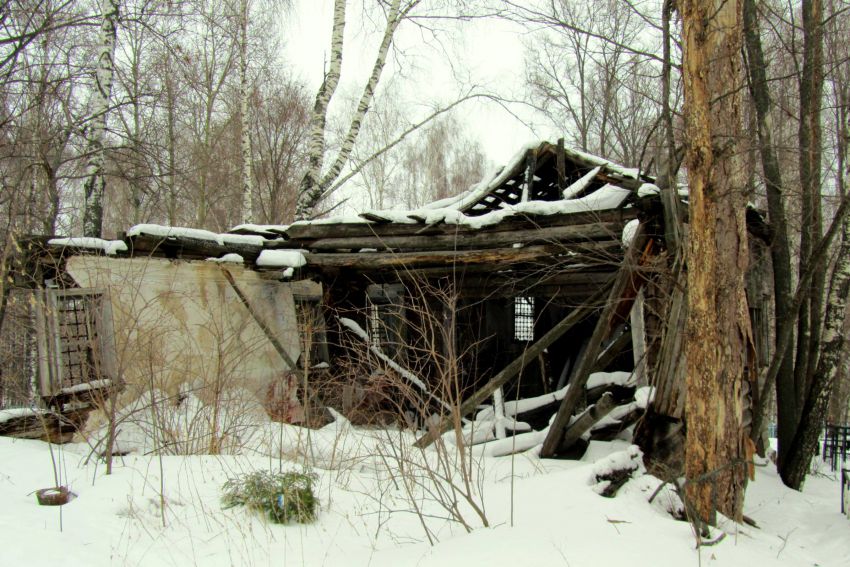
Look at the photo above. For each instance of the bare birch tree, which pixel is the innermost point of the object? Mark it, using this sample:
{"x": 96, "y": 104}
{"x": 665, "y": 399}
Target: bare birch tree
{"x": 95, "y": 184}
{"x": 317, "y": 183}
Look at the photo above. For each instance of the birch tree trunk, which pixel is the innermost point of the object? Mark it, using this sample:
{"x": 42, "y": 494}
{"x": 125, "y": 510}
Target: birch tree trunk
{"x": 718, "y": 329}
{"x": 316, "y": 153}
{"x": 244, "y": 117}
{"x": 316, "y": 186}
{"x": 796, "y": 464}
{"x": 95, "y": 184}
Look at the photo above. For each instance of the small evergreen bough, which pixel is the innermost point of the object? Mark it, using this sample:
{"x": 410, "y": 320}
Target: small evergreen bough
{"x": 282, "y": 497}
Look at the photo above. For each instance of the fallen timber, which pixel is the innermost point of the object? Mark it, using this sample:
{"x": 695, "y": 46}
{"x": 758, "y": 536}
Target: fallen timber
{"x": 624, "y": 288}
{"x": 515, "y": 367}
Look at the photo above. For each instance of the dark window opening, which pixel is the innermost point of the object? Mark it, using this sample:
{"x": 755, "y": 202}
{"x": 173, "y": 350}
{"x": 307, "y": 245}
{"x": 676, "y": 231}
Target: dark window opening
{"x": 524, "y": 318}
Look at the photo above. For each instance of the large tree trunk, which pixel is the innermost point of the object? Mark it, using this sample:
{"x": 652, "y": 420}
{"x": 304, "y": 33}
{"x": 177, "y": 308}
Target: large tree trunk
{"x": 795, "y": 467}
{"x": 780, "y": 249}
{"x": 809, "y": 135}
{"x": 95, "y": 184}
{"x": 718, "y": 334}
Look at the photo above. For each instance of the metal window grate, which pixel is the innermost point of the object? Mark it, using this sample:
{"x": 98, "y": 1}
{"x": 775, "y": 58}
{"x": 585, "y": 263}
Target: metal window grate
{"x": 524, "y": 318}
{"x": 78, "y": 339}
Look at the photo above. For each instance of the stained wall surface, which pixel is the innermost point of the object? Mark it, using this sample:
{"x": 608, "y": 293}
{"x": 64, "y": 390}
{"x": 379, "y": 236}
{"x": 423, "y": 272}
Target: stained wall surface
{"x": 180, "y": 326}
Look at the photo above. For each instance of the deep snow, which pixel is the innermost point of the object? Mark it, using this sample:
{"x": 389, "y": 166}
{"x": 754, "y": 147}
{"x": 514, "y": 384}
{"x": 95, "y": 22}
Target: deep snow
{"x": 541, "y": 512}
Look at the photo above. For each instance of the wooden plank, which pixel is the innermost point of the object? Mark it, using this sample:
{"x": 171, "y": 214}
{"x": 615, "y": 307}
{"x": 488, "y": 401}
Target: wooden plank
{"x": 561, "y": 166}
{"x": 585, "y": 421}
{"x": 515, "y": 366}
{"x": 612, "y": 351}
{"x": 390, "y": 260}
{"x": 584, "y": 367}
{"x": 477, "y": 239}
{"x": 519, "y": 221}
{"x": 189, "y": 248}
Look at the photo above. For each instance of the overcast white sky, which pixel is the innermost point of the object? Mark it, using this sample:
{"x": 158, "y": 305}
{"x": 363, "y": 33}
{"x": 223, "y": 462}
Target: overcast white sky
{"x": 487, "y": 53}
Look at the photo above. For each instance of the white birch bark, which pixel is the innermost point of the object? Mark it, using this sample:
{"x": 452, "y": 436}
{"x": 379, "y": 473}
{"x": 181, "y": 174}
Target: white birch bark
{"x": 244, "y": 117}
{"x": 95, "y": 184}
{"x": 319, "y": 117}
{"x": 319, "y": 186}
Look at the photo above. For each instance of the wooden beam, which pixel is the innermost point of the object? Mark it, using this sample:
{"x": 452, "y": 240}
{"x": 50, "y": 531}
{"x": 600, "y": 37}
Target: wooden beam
{"x": 625, "y": 278}
{"x": 515, "y": 366}
{"x": 586, "y": 420}
{"x": 561, "y": 167}
{"x": 189, "y": 248}
{"x": 464, "y": 239}
{"x": 518, "y": 221}
{"x": 612, "y": 351}
{"x": 400, "y": 260}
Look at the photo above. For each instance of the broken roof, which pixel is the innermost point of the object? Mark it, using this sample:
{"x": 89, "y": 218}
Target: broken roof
{"x": 547, "y": 201}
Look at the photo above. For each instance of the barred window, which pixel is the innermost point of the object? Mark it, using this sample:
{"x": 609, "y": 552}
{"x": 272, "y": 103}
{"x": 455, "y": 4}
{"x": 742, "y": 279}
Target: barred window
{"x": 524, "y": 318}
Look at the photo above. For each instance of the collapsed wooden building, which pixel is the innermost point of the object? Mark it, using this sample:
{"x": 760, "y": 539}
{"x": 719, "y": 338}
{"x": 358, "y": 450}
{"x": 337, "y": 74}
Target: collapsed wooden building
{"x": 496, "y": 306}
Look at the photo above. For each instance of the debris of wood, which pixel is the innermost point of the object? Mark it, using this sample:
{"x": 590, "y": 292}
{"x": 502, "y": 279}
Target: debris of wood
{"x": 515, "y": 366}
{"x": 586, "y": 420}
{"x": 620, "y": 290}
{"x": 612, "y": 472}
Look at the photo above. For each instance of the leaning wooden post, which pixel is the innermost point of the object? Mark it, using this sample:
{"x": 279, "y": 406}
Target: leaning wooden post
{"x": 588, "y": 419}
{"x": 515, "y": 366}
{"x": 625, "y": 278}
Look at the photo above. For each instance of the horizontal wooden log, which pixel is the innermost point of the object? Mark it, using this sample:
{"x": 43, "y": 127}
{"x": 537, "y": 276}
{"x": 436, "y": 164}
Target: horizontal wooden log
{"x": 475, "y": 239}
{"x": 189, "y": 248}
{"x": 400, "y": 260}
{"x": 519, "y": 221}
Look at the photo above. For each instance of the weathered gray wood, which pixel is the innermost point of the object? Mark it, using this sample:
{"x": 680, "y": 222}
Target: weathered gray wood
{"x": 390, "y": 260}
{"x": 585, "y": 421}
{"x": 638, "y": 333}
{"x": 584, "y": 367}
{"x": 189, "y": 248}
{"x": 479, "y": 239}
{"x": 669, "y": 378}
{"x": 515, "y": 366}
{"x": 561, "y": 166}
{"x": 611, "y": 352}
{"x": 523, "y": 221}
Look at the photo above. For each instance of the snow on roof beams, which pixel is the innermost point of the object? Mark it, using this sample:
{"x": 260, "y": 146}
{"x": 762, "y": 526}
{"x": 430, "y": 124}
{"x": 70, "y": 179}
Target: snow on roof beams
{"x": 109, "y": 247}
{"x": 558, "y": 173}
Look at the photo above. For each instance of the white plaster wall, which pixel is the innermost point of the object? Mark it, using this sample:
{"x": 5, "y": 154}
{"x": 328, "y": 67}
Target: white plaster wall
{"x": 179, "y": 325}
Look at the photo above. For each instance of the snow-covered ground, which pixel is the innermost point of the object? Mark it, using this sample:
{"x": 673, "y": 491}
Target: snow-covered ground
{"x": 540, "y": 512}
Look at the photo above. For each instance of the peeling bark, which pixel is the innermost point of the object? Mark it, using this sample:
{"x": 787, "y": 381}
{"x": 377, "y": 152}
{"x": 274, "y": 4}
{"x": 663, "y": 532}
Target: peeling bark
{"x": 718, "y": 330}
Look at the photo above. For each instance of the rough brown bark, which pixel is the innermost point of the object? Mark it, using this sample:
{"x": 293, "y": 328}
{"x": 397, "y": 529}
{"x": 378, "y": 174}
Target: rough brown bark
{"x": 718, "y": 331}
{"x": 780, "y": 250}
